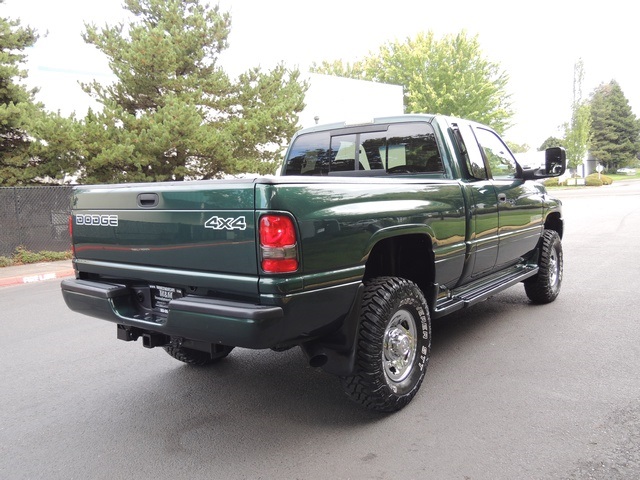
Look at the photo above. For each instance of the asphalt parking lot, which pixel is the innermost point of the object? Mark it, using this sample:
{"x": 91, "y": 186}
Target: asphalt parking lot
{"x": 512, "y": 391}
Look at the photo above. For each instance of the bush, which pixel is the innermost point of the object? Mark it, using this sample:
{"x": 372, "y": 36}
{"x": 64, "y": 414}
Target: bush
{"x": 593, "y": 181}
{"x": 22, "y": 256}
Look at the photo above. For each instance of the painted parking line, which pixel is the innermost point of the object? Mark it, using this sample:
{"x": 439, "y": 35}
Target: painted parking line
{"x": 40, "y": 277}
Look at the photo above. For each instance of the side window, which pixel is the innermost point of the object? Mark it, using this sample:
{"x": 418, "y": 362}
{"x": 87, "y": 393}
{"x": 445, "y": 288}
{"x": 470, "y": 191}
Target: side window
{"x": 412, "y": 147}
{"x": 473, "y": 156}
{"x": 343, "y": 153}
{"x": 499, "y": 158}
{"x": 309, "y": 155}
{"x": 372, "y": 151}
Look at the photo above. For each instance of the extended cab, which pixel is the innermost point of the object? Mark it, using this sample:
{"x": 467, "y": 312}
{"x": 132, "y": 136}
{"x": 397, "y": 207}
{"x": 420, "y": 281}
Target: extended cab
{"x": 367, "y": 233}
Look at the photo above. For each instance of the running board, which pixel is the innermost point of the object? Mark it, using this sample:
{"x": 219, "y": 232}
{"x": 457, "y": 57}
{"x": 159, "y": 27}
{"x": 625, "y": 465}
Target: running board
{"x": 479, "y": 291}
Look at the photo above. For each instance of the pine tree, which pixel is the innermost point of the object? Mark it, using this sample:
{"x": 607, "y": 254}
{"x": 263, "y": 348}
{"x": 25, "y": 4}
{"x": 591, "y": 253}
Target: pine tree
{"x": 17, "y": 104}
{"x": 173, "y": 113}
{"x": 35, "y": 146}
{"x": 616, "y": 130}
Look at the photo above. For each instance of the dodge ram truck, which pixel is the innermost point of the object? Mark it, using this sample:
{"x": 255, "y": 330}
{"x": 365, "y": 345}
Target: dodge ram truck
{"x": 366, "y": 234}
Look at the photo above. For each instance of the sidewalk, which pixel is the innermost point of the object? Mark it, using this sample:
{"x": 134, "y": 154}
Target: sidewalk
{"x": 35, "y": 272}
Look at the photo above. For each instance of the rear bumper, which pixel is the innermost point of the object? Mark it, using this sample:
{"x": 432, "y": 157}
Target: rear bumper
{"x": 192, "y": 317}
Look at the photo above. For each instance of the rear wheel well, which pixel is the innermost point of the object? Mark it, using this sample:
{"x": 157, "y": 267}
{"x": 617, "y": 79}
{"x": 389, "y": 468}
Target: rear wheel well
{"x": 406, "y": 256}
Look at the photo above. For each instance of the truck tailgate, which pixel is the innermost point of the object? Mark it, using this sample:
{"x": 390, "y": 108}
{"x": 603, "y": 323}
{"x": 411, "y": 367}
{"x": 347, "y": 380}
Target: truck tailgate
{"x": 193, "y": 226}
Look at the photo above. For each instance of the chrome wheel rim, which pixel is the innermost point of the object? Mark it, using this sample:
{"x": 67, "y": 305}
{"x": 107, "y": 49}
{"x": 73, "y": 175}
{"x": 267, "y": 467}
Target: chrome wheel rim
{"x": 399, "y": 346}
{"x": 554, "y": 265}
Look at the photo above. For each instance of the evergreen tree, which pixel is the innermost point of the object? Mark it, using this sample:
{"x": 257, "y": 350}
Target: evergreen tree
{"x": 35, "y": 145}
{"x": 450, "y": 76}
{"x": 54, "y": 151}
{"x": 173, "y": 113}
{"x": 17, "y": 104}
{"x": 616, "y": 130}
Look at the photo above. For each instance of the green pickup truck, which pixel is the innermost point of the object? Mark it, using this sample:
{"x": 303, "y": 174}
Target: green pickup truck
{"x": 366, "y": 234}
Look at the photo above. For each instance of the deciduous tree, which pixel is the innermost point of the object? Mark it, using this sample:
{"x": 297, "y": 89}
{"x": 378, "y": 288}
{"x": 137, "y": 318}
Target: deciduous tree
{"x": 518, "y": 147}
{"x": 578, "y": 131}
{"x": 551, "y": 142}
{"x": 450, "y": 76}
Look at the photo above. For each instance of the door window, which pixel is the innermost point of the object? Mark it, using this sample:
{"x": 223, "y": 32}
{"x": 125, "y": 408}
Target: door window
{"x": 473, "y": 158}
{"x": 499, "y": 158}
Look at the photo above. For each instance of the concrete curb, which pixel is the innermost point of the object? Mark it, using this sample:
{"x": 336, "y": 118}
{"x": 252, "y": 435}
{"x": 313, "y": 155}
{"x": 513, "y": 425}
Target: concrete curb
{"x": 36, "y": 277}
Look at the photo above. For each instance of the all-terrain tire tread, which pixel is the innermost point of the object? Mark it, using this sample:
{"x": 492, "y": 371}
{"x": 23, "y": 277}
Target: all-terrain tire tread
{"x": 364, "y": 387}
{"x": 538, "y": 288}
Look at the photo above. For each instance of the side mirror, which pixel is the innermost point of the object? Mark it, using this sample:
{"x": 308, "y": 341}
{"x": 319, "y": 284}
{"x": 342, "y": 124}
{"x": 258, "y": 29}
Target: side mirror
{"x": 555, "y": 160}
{"x": 555, "y": 164}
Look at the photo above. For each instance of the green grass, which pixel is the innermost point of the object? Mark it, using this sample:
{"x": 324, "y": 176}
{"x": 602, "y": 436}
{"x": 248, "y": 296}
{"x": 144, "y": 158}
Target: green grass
{"x": 550, "y": 184}
{"x": 617, "y": 176}
{"x": 22, "y": 256}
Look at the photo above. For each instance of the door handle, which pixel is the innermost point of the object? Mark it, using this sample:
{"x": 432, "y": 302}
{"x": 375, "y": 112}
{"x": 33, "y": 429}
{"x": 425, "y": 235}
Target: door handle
{"x": 148, "y": 200}
{"x": 502, "y": 197}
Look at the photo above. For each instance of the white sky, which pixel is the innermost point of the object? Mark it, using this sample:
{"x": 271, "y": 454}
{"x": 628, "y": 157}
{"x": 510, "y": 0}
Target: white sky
{"x": 536, "y": 43}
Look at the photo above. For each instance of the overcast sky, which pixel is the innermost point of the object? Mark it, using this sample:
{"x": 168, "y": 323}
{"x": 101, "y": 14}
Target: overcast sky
{"x": 536, "y": 43}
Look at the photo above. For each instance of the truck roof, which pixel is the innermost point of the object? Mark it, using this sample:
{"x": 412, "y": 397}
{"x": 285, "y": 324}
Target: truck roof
{"x": 374, "y": 121}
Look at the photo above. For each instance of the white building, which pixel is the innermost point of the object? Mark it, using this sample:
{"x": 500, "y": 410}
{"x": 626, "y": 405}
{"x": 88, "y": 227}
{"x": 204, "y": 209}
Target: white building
{"x": 332, "y": 99}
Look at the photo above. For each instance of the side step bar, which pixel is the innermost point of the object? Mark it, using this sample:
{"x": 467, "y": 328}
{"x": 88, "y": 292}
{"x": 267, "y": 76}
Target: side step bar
{"x": 473, "y": 293}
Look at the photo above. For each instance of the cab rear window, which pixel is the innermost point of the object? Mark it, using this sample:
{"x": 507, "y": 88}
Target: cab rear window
{"x": 395, "y": 148}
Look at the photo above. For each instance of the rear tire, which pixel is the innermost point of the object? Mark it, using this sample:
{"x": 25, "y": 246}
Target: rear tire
{"x": 197, "y": 357}
{"x": 545, "y": 286}
{"x": 394, "y": 344}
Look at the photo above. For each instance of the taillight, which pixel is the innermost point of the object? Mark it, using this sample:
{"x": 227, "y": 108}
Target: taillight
{"x": 73, "y": 248}
{"x": 278, "y": 249}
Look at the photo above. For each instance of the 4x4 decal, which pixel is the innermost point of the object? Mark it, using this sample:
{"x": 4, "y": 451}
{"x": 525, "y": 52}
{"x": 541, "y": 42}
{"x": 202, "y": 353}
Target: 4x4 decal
{"x": 222, "y": 223}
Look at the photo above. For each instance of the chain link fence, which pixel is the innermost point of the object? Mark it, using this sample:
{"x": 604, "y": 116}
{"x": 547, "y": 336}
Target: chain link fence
{"x": 35, "y": 218}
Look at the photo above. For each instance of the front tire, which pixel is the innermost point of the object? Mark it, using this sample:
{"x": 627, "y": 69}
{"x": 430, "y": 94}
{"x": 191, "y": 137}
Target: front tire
{"x": 394, "y": 344}
{"x": 545, "y": 286}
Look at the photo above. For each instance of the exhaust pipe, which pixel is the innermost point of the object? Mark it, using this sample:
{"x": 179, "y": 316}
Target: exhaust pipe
{"x": 331, "y": 360}
{"x": 318, "y": 360}
{"x": 316, "y": 355}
